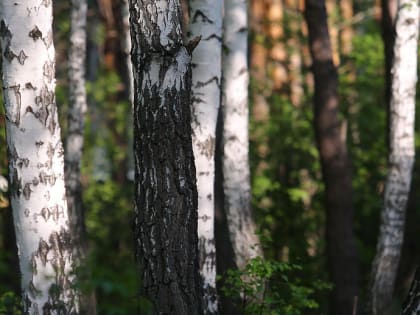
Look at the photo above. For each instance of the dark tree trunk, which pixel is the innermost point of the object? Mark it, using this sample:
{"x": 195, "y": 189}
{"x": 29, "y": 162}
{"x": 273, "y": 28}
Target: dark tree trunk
{"x": 165, "y": 180}
{"x": 412, "y": 304}
{"x": 341, "y": 243}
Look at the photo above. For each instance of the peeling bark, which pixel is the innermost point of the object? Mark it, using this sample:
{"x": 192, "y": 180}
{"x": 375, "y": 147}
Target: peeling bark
{"x": 400, "y": 160}
{"x": 206, "y": 21}
{"x": 38, "y": 197}
{"x": 236, "y": 172}
{"x": 165, "y": 180}
{"x": 341, "y": 243}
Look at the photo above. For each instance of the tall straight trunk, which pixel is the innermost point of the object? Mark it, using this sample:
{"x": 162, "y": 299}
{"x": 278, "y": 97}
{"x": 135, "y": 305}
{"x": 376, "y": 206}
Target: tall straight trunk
{"x": 206, "y": 21}
{"x": 277, "y": 51}
{"x": 400, "y": 159}
{"x": 236, "y": 172}
{"x": 258, "y": 67}
{"x": 165, "y": 180}
{"x": 36, "y": 164}
{"x": 76, "y": 123}
{"x": 346, "y": 33}
{"x": 75, "y": 139}
{"x": 342, "y": 255}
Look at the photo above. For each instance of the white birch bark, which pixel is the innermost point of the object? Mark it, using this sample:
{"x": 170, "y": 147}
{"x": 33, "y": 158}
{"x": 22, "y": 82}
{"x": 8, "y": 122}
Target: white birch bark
{"x": 35, "y": 151}
{"x": 126, "y": 48}
{"x": 236, "y": 173}
{"x": 76, "y": 120}
{"x": 401, "y": 158}
{"x": 206, "y": 21}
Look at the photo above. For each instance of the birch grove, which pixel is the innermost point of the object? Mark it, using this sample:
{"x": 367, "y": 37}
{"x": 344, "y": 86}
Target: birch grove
{"x": 236, "y": 173}
{"x": 206, "y": 21}
{"x": 35, "y": 150}
{"x": 400, "y": 160}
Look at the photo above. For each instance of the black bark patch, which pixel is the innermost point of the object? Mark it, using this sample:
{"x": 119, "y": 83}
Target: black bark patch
{"x": 20, "y": 163}
{"x": 201, "y": 15}
{"x": 22, "y": 57}
{"x": 9, "y": 54}
{"x": 4, "y": 30}
{"x": 35, "y": 34}
{"x": 27, "y": 191}
{"x": 29, "y": 86}
{"x": 45, "y": 213}
{"x": 192, "y": 44}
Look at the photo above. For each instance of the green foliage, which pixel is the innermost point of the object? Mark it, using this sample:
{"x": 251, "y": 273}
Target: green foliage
{"x": 266, "y": 287}
{"x": 10, "y": 304}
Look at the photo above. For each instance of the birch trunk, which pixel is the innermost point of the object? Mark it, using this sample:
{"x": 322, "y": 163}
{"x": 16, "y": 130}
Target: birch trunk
{"x": 206, "y": 21}
{"x": 126, "y": 48}
{"x": 236, "y": 173}
{"x": 76, "y": 123}
{"x": 35, "y": 150}
{"x": 75, "y": 139}
{"x": 342, "y": 255}
{"x": 400, "y": 160}
{"x": 165, "y": 179}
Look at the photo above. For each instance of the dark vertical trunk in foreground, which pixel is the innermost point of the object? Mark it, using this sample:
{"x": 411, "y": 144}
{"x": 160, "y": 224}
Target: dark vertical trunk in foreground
{"x": 165, "y": 181}
{"x": 341, "y": 243}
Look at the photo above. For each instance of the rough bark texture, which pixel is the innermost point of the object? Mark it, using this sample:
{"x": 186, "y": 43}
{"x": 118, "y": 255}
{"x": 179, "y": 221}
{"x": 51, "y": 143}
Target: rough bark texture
{"x": 36, "y": 164}
{"x": 206, "y": 21}
{"x": 341, "y": 244}
{"x": 400, "y": 160}
{"x": 165, "y": 180}
{"x": 236, "y": 172}
{"x": 412, "y": 304}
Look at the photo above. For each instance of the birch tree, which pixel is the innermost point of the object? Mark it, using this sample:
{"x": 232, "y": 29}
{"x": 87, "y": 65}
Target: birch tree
{"x": 400, "y": 159}
{"x": 76, "y": 121}
{"x": 126, "y": 48}
{"x": 236, "y": 172}
{"x": 206, "y": 21}
{"x": 75, "y": 139}
{"x": 165, "y": 179}
{"x": 35, "y": 150}
{"x": 331, "y": 141}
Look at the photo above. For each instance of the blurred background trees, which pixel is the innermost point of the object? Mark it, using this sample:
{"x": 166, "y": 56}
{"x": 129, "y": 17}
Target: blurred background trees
{"x": 288, "y": 189}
